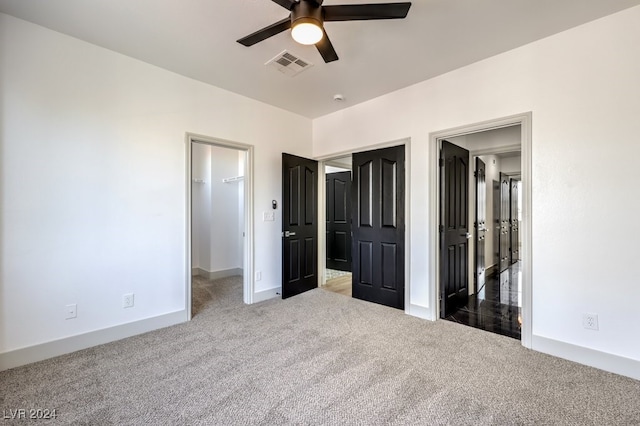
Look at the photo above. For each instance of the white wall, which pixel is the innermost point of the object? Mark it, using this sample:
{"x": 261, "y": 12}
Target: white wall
{"x": 93, "y": 182}
{"x": 217, "y": 209}
{"x": 582, "y": 88}
{"x": 226, "y": 241}
{"x": 495, "y": 140}
{"x": 511, "y": 165}
{"x": 201, "y": 206}
{"x": 333, "y": 169}
{"x": 241, "y": 232}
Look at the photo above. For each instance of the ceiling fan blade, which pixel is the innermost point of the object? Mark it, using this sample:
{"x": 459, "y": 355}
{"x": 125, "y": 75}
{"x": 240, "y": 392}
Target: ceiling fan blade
{"x": 266, "y": 32}
{"x": 360, "y": 12}
{"x": 326, "y": 49}
{"x": 287, "y": 4}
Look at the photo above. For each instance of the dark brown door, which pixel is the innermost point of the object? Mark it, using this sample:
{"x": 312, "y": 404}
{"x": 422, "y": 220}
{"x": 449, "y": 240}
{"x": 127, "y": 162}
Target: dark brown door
{"x": 505, "y": 225}
{"x": 299, "y": 225}
{"x": 338, "y": 227}
{"x": 480, "y": 223}
{"x": 515, "y": 243}
{"x": 378, "y": 226}
{"x": 454, "y": 228}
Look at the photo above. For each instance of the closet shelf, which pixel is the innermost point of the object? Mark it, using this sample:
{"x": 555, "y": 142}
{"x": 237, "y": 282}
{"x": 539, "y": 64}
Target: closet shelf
{"x": 233, "y": 179}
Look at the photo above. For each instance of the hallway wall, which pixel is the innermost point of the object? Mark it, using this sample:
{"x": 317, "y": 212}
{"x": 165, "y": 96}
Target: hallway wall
{"x": 497, "y": 141}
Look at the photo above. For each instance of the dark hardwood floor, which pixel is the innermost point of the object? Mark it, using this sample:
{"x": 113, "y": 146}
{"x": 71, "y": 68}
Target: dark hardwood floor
{"x": 497, "y": 306}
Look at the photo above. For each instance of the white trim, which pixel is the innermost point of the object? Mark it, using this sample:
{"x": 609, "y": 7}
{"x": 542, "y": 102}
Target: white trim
{"x": 214, "y": 275}
{"x": 337, "y": 165}
{"x": 66, "y": 345}
{"x": 188, "y": 264}
{"x": 322, "y": 244}
{"x": 591, "y": 357}
{"x": 322, "y": 224}
{"x": 262, "y": 295}
{"x": 524, "y": 120}
{"x": 419, "y": 311}
{"x": 365, "y": 148}
{"x": 248, "y": 286}
{"x": 495, "y": 150}
{"x": 408, "y": 308}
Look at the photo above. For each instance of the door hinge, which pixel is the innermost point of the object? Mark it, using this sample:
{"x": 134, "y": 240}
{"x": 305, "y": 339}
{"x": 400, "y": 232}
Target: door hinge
{"x": 441, "y": 228}
{"x": 441, "y": 162}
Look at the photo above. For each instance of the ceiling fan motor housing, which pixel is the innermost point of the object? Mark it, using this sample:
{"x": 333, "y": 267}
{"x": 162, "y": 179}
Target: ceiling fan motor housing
{"x": 306, "y": 12}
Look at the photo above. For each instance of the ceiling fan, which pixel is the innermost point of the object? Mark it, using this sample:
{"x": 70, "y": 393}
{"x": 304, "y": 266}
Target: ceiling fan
{"x": 307, "y": 17}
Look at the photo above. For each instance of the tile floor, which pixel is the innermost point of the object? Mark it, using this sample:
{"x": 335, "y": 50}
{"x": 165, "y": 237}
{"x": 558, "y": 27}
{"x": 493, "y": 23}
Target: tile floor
{"x": 497, "y": 306}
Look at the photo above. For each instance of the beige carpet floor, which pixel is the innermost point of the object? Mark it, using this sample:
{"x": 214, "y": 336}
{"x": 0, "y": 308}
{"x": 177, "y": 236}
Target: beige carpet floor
{"x": 316, "y": 359}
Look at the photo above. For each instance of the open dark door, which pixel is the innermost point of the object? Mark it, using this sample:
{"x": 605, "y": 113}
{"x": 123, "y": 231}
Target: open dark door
{"x": 299, "y": 225}
{"x": 339, "y": 221}
{"x": 378, "y": 226}
{"x": 480, "y": 222}
{"x": 505, "y": 225}
{"x": 454, "y": 228}
{"x": 515, "y": 243}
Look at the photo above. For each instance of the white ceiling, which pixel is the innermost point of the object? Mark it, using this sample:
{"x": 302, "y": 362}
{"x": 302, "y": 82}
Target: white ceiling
{"x": 197, "y": 38}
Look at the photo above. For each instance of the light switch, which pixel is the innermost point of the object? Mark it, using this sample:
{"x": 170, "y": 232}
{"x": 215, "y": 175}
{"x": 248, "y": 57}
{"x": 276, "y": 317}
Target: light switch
{"x": 268, "y": 216}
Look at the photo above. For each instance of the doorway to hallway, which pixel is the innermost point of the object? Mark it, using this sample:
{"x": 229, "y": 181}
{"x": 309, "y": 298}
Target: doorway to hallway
{"x": 372, "y": 233}
{"x": 480, "y": 215}
{"x": 338, "y": 259}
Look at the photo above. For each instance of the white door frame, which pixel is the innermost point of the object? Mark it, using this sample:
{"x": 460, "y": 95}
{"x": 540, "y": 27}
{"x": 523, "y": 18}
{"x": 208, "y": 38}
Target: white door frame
{"x": 524, "y": 120}
{"x": 248, "y": 244}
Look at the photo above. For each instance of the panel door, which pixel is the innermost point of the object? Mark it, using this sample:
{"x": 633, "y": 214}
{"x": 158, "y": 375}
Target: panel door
{"x": 338, "y": 217}
{"x": 505, "y": 223}
{"x": 515, "y": 238}
{"x": 299, "y": 225}
{"x": 454, "y": 228}
{"x": 480, "y": 223}
{"x": 378, "y": 224}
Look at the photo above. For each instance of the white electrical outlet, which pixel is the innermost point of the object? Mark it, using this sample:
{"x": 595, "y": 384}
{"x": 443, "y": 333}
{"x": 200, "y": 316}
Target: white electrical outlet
{"x": 71, "y": 311}
{"x": 258, "y": 275}
{"x": 127, "y": 300}
{"x": 590, "y": 321}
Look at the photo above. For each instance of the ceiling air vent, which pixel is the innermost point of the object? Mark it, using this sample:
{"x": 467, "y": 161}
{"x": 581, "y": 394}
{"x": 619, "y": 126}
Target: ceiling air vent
{"x": 289, "y": 64}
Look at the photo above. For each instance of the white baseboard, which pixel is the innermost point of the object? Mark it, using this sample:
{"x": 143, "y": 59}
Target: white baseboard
{"x": 214, "y": 275}
{"x": 591, "y": 357}
{"x": 260, "y": 296}
{"x": 43, "y": 351}
{"x": 420, "y": 312}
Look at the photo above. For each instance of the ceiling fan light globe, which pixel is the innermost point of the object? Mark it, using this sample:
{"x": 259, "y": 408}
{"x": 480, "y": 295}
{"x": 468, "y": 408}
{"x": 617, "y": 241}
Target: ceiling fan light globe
{"x": 306, "y": 33}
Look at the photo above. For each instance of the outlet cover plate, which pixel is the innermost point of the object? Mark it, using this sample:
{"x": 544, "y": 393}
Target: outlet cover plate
{"x": 127, "y": 300}
{"x": 71, "y": 311}
{"x": 590, "y": 321}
